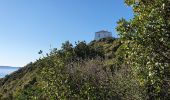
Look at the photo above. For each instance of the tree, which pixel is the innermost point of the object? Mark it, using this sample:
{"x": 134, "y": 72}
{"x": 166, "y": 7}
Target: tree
{"x": 81, "y": 49}
{"x": 146, "y": 45}
{"x": 67, "y": 46}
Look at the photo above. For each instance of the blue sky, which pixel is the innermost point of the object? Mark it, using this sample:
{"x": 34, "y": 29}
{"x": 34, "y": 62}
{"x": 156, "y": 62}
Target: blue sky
{"x": 27, "y": 26}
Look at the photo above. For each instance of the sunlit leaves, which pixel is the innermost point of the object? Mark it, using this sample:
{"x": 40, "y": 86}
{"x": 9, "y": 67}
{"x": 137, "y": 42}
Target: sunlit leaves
{"x": 148, "y": 49}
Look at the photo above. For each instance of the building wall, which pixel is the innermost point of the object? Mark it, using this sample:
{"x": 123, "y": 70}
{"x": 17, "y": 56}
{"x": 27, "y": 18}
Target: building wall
{"x": 102, "y": 34}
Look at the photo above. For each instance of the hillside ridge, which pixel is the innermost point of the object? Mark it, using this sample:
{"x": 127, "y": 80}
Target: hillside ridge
{"x": 19, "y": 80}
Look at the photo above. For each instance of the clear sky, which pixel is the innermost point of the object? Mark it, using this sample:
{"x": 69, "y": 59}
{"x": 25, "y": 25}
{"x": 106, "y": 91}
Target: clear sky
{"x": 27, "y": 26}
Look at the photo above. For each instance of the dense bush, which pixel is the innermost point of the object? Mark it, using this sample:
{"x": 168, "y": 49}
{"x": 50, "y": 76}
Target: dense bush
{"x": 90, "y": 79}
{"x": 146, "y": 45}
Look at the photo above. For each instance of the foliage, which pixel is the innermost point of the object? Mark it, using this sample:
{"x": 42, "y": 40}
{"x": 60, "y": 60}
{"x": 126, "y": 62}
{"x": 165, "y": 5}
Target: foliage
{"x": 146, "y": 45}
{"x": 43, "y": 78}
{"x": 134, "y": 67}
{"x": 30, "y": 93}
{"x": 90, "y": 79}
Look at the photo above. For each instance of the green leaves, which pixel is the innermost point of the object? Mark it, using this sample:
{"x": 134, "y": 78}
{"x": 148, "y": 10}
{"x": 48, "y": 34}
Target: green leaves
{"x": 146, "y": 44}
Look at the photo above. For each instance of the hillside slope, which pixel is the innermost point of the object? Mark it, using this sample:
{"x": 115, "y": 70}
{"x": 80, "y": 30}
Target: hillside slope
{"x": 28, "y": 82}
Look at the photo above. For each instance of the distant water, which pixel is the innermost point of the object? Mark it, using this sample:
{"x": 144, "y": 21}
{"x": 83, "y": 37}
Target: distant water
{"x": 7, "y": 70}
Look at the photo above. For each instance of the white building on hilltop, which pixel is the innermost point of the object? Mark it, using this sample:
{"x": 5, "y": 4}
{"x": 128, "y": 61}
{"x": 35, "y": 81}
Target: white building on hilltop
{"x": 102, "y": 34}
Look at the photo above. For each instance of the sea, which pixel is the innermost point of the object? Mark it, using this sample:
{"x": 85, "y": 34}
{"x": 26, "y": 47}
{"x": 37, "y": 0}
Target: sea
{"x": 7, "y": 70}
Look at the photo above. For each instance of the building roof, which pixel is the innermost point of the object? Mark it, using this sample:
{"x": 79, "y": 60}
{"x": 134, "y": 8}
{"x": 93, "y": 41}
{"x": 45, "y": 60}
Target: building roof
{"x": 103, "y": 31}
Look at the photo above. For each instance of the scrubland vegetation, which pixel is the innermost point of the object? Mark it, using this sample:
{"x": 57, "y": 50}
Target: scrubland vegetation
{"x": 134, "y": 67}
